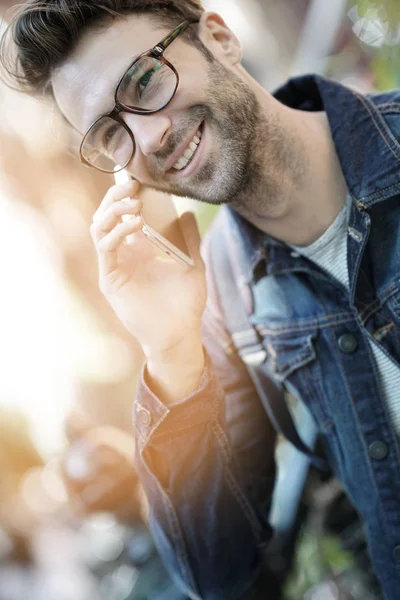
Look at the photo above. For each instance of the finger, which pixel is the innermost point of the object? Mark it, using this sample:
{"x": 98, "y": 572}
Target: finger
{"x": 114, "y": 194}
{"x": 113, "y": 216}
{"x": 108, "y": 246}
{"x": 191, "y": 234}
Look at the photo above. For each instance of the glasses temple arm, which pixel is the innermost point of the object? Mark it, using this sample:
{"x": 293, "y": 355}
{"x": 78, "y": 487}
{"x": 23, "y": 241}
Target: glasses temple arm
{"x": 171, "y": 37}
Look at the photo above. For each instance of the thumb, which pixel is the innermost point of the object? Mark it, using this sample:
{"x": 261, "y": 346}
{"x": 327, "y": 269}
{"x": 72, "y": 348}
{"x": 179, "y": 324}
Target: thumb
{"x": 191, "y": 234}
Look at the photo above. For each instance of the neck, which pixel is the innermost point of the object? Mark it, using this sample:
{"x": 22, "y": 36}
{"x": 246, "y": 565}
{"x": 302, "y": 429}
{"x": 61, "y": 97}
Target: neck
{"x": 301, "y": 188}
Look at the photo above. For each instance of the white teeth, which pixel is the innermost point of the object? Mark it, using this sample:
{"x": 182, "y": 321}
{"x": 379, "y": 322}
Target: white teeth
{"x": 187, "y": 155}
{"x": 180, "y": 164}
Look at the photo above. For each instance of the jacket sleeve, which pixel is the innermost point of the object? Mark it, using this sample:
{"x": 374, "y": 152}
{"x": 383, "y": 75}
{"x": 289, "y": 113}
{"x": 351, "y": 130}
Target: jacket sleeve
{"x": 207, "y": 467}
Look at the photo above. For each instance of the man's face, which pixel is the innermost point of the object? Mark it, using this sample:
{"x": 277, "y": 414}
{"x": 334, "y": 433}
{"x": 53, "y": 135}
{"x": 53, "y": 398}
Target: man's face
{"x": 211, "y": 97}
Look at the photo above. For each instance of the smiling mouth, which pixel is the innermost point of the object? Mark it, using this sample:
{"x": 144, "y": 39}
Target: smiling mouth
{"x": 190, "y": 151}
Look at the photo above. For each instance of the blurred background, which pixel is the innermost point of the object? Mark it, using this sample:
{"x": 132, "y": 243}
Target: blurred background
{"x": 72, "y": 515}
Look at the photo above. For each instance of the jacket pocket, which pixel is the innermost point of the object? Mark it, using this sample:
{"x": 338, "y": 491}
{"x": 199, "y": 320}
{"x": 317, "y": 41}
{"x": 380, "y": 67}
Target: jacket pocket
{"x": 289, "y": 354}
{"x": 293, "y": 360}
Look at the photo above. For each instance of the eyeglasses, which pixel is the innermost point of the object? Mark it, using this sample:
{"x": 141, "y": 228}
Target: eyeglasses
{"x": 147, "y": 86}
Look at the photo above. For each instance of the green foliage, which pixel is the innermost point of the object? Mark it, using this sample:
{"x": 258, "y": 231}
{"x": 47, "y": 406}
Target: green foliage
{"x": 386, "y": 69}
{"x": 317, "y": 557}
{"x": 205, "y": 214}
{"x": 390, "y": 7}
{"x": 384, "y": 59}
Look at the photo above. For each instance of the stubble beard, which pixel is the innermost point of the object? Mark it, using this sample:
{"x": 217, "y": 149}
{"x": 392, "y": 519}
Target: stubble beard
{"x": 246, "y": 173}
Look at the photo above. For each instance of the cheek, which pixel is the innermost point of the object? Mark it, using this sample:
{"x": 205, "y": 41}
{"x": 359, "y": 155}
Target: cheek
{"x": 192, "y": 88}
{"x": 185, "y": 99}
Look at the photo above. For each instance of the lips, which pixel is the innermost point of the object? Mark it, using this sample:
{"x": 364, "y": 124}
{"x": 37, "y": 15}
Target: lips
{"x": 177, "y": 155}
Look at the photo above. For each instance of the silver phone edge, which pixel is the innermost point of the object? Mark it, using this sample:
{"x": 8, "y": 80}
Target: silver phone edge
{"x": 158, "y": 240}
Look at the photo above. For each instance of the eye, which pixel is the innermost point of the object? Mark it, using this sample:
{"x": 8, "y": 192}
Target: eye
{"x": 145, "y": 79}
{"x": 108, "y": 135}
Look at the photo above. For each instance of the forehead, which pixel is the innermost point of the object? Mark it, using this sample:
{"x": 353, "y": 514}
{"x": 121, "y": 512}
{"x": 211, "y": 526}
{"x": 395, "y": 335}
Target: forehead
{"x": 84, "y": 84}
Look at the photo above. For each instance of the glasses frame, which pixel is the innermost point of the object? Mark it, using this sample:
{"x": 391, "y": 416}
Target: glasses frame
{"x": 156, "y": 52}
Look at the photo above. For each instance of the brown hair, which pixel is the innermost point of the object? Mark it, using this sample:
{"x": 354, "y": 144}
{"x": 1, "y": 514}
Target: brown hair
{"x": 44, "y": 33}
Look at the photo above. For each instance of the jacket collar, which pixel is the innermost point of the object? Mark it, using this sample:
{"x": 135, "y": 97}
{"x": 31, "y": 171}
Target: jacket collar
{"x": 368, "y": 152}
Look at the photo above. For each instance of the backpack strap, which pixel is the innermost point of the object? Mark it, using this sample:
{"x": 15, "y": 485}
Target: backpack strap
{"x": 229, "y": 281}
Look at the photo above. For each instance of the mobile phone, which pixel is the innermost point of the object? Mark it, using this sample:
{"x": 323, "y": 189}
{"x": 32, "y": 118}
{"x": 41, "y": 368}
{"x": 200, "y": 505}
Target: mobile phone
{"x": 160, "y": 221}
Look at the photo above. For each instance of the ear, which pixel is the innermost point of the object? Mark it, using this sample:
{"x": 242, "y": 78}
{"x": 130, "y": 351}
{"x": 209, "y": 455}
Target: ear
{"x": 221, "y": 40}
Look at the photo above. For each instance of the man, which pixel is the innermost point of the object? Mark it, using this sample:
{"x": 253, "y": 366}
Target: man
{"x": 309, "y": 178}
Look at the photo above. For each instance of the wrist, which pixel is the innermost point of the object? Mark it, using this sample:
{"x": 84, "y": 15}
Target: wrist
{"x": 184, "y": 349}
{"x": 176, "y": 374}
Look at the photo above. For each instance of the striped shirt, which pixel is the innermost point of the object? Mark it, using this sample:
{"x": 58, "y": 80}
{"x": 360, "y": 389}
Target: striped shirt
{"x": 329, "y": 252}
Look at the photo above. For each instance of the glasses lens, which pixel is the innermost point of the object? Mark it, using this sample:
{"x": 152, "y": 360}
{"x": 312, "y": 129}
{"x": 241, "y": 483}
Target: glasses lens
{"x": 107, "y": 144}
{"x": 148, "y": 85}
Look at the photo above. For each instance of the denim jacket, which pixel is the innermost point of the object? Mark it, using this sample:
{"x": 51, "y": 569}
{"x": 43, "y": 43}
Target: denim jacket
{"x": 207, "y": 463}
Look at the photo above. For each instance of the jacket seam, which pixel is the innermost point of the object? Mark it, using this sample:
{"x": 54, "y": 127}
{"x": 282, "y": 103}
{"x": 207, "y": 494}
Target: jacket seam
{"x": 246, "y": 507}
{"x": 377, "y": 195}
{"x": 144, "y": 439}
{"x": 357, "y": 422}
{"x": 225, "y": 446}
{"x": 390, "y": 111}
{"x": 177, "y": 535}
{"x": 175, "y": 532}
{"x": 388, "y": 421}
{"x": 388, "y": 107}
{"x": 388, "y": 104}
{"x": 370, "y": 309}
{"x": 300, "y": 358}
{"x": 377, "y": 379}
{"x": 330, "y": 317}
{"x": 236, "y": 490}
{"x": 330, "y": 321}
{"x": 387, "y": 327}
{"x": 365, "y": 102}
{"x": 302, "y": 329}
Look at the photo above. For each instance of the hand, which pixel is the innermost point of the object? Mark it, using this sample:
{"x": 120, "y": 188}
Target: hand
{"x": 98, "y": 471}
{"x": 159, "y": 300}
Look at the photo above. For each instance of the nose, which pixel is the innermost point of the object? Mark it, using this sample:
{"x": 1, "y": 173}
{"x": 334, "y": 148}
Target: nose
{"x": 150, "y": 131}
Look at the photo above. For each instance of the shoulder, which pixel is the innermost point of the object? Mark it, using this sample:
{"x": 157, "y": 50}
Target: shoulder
{"x": 384, "y": 108}
{"x": 387, "y": 104}
{"x": 386, "y": 101}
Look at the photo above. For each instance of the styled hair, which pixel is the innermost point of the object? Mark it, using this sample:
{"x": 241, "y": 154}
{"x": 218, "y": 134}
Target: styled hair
{"x": 43, "y": 33}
